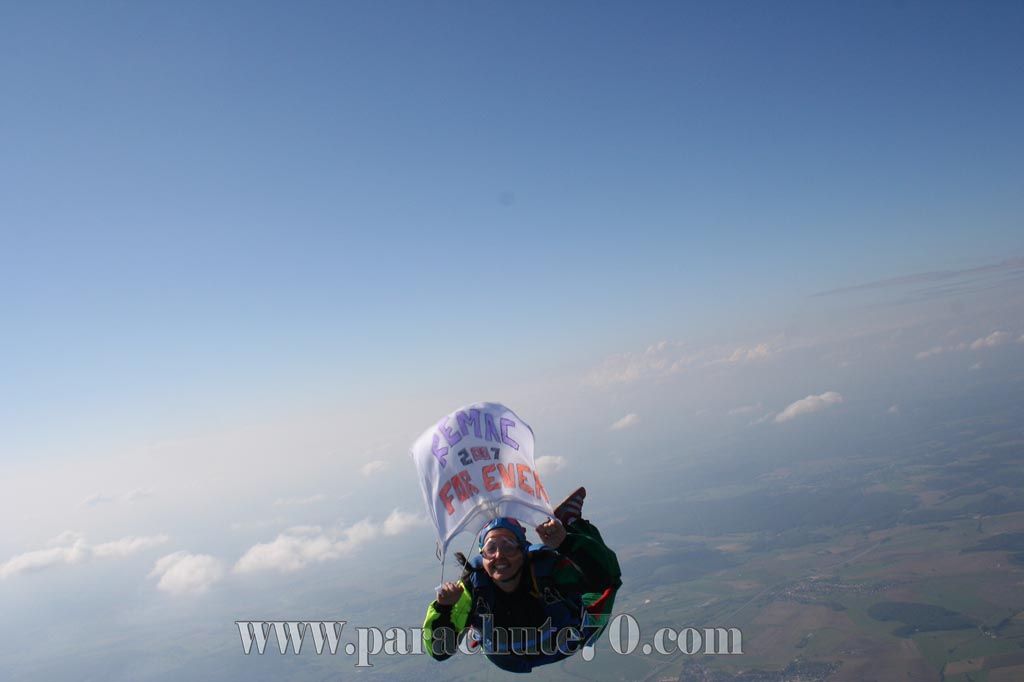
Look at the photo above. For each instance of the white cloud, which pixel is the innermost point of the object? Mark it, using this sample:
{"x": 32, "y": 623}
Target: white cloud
{"x": 373, "y": 466}
{"x": 762, "y": 419}
{"x": 812, "y": 403}
{"x": 40, "y": 559}
{"x": 137, "y": 494}
{"x": 625, "y": 423}
{"x": 71, "y": 548}
{"x": 996, "y": 338}
{"x": 187, "y": 573}
{"x": 665, "y": 358}
{"x": 287, "y": 552}
{"x": 68, "y": 537}
{"x": 624, "y": 368}
{"x": 745, "y": 409}
{"x": 300, "y": 546}
{"x": 130, "y": 496}
{"x": 398, "y": 522}
{"x": 549, "y": 464}
{"x": 743, "y": 354}
{"x": 127, "y": 546}
{"x": 358, "y": 534}
{"x": 298, "y": 501}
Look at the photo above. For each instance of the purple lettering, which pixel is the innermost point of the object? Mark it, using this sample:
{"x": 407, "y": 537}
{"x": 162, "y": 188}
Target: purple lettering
{"x": 439, "y": 452}
{"x": 452, "y": 437}
{"x": 465, "y": 420}
{"x": 492, "y": 431}
{"x": 507, "y": 424}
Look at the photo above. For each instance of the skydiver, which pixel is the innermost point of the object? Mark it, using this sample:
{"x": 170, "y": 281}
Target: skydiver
{"x": 528, "y": 605}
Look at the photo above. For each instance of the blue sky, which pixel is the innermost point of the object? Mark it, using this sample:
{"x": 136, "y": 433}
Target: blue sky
{"x": 259, "y": 205}
{"x": 220, "y": 221}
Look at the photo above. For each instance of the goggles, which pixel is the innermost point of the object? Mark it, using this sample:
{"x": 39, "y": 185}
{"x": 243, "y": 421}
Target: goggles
{"x": 507, "y": 547}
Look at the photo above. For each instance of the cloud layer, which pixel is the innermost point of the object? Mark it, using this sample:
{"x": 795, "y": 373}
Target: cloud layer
{"x": 129, "y": 497}
{"x": 373, "y": 466}
{"x": 993, "y": 340}
{"x": 549, "y": 464}
{"x": 298, "y": 547}
{"x": 71, "y": 548}
{"x": 626, "y": 422}
{"x": 186, "y": 573}
{"x": 809, "y": 405}
{"x": 745, "y": 409}
{"x": 996, "y": 338}
{"x": 666, "y": 358}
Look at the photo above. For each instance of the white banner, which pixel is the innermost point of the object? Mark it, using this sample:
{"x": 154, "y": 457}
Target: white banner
{"x": 476, "y": 464}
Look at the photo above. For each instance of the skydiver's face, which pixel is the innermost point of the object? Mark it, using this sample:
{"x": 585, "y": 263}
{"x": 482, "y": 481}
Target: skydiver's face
{"x": 504, "y": 561}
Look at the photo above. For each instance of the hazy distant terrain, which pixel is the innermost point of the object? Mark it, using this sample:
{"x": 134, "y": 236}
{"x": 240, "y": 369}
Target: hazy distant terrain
{"x": 893, "y": 559}
{"x": 897, "y": 558}
{"x": 868, "y": 542}
{"x": 904, "y": 565}
{"x": 879, "y": 540}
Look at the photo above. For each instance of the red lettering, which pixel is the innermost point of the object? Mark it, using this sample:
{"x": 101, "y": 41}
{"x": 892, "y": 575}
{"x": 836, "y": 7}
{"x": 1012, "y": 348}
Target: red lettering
{"x": 460, "y": 488}
{"x": 508, "y": 475}
{"x": 470, "y": 488}
{"x": 522, "y": 469}
{"x": 464, "y": 489}
{"x": 541, "y": 493}
{"x": 479, "y": 453}
{"x": 446, "y": 497}
{"x": 489, "y": 483}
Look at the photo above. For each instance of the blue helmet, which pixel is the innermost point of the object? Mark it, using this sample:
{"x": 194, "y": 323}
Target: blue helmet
{"x": 508, "y": 524}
